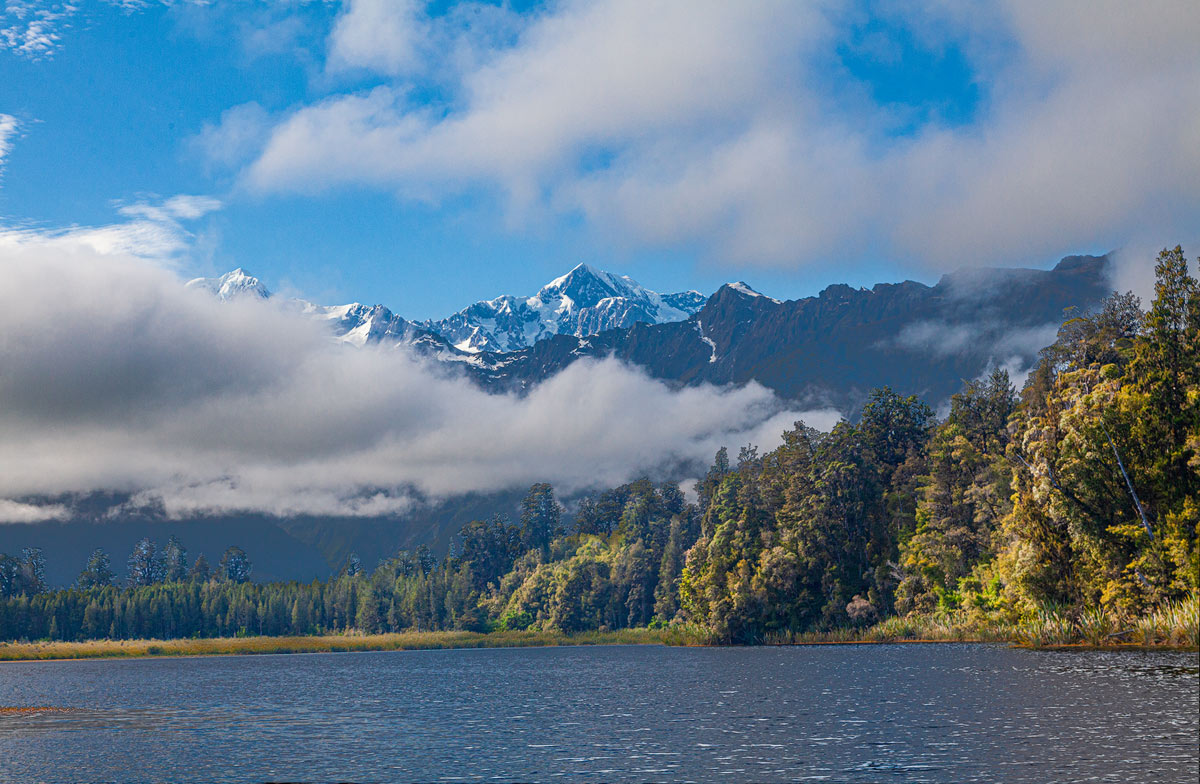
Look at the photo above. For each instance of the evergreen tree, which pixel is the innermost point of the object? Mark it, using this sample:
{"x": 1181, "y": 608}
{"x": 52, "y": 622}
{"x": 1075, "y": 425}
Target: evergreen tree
{"x": 144, "y": 565}
{"x": 10, "y": 576}
{"x": 174, "y": 555}
{"x": 200, "y": 571}
{"x": 235, "y": 566}
{"x": 541, "y": 518}
{"x": 33, "y": 570}
{"x": 98, "y": 572}
{"x": 425, "y": 559}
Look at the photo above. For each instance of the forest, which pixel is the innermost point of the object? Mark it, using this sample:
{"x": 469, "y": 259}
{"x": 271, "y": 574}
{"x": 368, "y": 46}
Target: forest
{"x": 1074, "y": 500}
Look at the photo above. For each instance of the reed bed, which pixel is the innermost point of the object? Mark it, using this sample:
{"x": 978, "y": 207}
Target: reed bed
{"x": 1175, "y": 625}
{"x": 404, "y": 641}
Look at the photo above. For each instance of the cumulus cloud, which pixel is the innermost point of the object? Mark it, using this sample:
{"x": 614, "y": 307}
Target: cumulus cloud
{"x": 114, "y": 376}
{"x": 379, "y": 34}
{"x": 235, "y": 138}
{"x": 725, "y": 124}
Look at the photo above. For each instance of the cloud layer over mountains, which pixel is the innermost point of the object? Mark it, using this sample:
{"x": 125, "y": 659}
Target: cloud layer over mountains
{"x": 113, "y": 376}
{"x": 764, "y": 130}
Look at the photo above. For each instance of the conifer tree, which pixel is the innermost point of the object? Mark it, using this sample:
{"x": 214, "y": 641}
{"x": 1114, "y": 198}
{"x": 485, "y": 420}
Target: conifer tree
{"x": 144, "y": 564}
{"x": 98, "y": 572}
{"x": 541, "y": 518}
{"x": 174, "y": 555}
{"x": 200, "y": 571}
{"x": 235, "y": 566}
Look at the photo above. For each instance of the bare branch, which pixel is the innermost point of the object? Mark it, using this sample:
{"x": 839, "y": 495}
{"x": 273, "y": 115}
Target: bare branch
{"x": 1128, "y": 482}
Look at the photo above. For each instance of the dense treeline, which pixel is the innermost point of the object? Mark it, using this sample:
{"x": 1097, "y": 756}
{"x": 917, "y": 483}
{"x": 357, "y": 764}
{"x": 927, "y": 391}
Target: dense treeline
{"x": 1079, "y": 493}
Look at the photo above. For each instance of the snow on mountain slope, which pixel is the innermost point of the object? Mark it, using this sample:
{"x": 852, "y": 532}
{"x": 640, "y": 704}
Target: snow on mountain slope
{"x": 231, "y": 285}
{"x": 744, "y": 288}
{"x": 585, "y": 301}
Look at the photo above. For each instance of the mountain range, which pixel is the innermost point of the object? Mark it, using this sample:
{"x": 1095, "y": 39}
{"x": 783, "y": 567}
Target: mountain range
{"x": 585, "y": 301}
{"x": 828, "y": 350}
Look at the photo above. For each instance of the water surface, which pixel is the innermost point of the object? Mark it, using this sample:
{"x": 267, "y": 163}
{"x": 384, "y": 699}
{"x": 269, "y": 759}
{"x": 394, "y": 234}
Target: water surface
{"x": 903, "y": 713}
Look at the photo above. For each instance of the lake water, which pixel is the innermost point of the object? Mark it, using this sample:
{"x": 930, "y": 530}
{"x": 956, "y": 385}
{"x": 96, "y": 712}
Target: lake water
{"x": 902, "y": 713}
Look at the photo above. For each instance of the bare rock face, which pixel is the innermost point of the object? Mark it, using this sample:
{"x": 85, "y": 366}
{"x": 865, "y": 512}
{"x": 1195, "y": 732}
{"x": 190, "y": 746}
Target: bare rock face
{"x": 834, "y": 348}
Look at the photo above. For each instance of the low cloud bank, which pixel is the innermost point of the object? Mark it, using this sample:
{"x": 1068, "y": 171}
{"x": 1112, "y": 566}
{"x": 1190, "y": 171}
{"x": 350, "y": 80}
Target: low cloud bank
{"x": 113, "y": 376}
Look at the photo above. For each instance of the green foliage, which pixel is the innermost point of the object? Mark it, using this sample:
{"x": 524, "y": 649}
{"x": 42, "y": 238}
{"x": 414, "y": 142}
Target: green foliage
{"x": 541, "y": 518}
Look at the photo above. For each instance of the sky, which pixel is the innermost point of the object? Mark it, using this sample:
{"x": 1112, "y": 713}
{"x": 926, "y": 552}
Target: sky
{"x": 427, "y": 155}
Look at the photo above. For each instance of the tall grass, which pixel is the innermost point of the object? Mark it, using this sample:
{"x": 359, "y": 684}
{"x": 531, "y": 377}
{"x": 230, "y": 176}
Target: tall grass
{"x": 1175, "y": 624}
{"x": 94, "y": 649}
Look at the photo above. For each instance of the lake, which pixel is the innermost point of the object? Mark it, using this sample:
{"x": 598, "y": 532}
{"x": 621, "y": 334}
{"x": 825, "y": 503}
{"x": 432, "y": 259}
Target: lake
{"x": 902, "y": 713}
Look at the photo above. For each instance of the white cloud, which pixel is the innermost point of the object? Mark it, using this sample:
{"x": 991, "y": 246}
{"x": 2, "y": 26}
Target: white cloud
{"x": 379, "y": 34}
{"x": 8, "y": 130}
{"x": 1132, "y": 267}
{"x": 32, "y": 29}
{"x": 269, "y": 34}
{"x": 117, "y": 377}
{"x": 713, "y": 123}
{"x": 155, "y": 230}
{"x": 16, "y": 512}
{"x": 937, "y": 337}
{"x": 236, "y": 138}
{"x": 1013, "y": 349}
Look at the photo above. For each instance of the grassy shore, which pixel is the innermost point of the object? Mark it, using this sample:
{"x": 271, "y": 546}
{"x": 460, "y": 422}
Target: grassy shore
{"x": 1175, "y": 626}
{"x": 405, "y": 641}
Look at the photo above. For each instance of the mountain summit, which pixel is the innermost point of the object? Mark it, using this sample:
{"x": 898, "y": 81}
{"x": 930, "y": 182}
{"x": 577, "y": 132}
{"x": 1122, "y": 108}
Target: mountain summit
{"x": 231, "y": 285}
{"x": 585, "y": 301}
{"x": 829, "y": 350}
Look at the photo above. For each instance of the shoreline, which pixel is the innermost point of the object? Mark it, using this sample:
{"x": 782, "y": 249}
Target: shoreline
{"x": 454, "y": 640}
{"x": 332, "y": 643}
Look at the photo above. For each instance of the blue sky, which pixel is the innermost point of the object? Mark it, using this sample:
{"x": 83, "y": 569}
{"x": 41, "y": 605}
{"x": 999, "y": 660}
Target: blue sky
{"x": 428, "y": 155}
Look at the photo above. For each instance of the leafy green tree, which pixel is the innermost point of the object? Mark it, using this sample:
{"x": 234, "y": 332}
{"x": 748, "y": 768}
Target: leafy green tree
{"x": 962, "y": 498}
{"x": 489, "y": 548}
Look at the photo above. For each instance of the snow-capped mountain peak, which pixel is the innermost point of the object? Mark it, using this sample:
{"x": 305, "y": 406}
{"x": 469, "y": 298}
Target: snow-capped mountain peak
{"x": 232, "y": 285}
{"x": 744, "y": 289}
{"x": 585, "y": 301}
{"x": 586, "y": 286}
